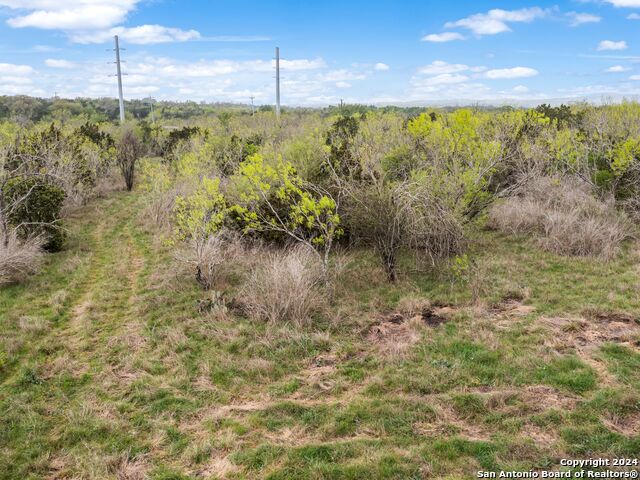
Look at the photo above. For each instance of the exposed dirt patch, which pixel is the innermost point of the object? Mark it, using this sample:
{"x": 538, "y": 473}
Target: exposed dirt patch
{"x": 534, "y": 398}
{"x": 628, "y": 426}
{"x": 395, "y": 336}
{"x": 448, "y": 423}
{"x": 126, "y": 468}
{"x": 511, "y": 308}
{"x": 539, "y": 436}
{"x": 217, "y": 467}
{"x": 543, "y": 397}
{"x": 584, "y": 335}
{"x": 318, "y": 373}
{"x": 610, "y": 316}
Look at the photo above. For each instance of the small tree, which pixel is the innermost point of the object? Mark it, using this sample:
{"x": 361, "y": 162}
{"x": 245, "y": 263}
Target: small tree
{"x": 273, "y": 198}
{"x": 129, "y": 150}
{"x": 199, "y": 220}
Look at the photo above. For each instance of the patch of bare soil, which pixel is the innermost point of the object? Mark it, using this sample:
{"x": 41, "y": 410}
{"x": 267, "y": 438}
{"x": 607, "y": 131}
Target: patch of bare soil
{"x": 319, "y": 372}
{"x": 539, "y": 436}
{"x": 543, "y": 397}
{"x": 534, "y": 398}
{"x": 125, "y": 468}
{"x": 511, "y": 308}
{"x": 628, "y": 425}
{"x": 219, "y": 466}
{"x": 395, "y": 333}
{"x": 584, "y": 335}
{"x": 447, "y": 423}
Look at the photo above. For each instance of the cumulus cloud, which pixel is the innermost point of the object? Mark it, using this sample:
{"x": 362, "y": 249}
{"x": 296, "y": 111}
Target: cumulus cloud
{"x": 508, "y": 73}
{"x": 141, "y": 35}
{"x": 91, "y": 21}
{"x": 520, "y": 89}
{"x": 611, "y": 45}
{"x": 617, "y": 69}
{"x": 634, "y": 77}
{"x": 497, "y": 20}
{"x": 68, "y": 14}
{"x": 625, "y": 3}
{"x": 381, "y": 67}
{"x": 633, "y": 16}
{"x": 343, "y": 85}
{"x": 11, "y": 69}
{"x": 59, "y": 63}
{"x": 439, "y": 67}
{"x": 576, "y": 19}
{"x": 442, "y": 37}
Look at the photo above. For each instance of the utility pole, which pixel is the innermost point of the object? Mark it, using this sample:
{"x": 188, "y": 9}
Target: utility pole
{"x": 153, "y": 118}
{"x": 119, "y": 70}
{"x": 252, "y": 109}
{"x": 278, "y": 83}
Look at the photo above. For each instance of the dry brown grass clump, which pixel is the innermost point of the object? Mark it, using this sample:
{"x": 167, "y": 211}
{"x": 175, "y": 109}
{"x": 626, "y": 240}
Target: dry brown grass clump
{"x": 210, "y": 255}
{"x": 565, "y": 216}
{"x": 19, "y": 258}
{"x": 285, "y": 287}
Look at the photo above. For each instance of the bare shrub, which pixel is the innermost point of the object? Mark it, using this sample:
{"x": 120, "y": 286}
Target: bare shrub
{"x": 565, "y": 215}
{"x": 19, "y": 258}
{"x": 209, "y": 255}
{"x": 433, "y": 229}
{"x": 286, "y": 287}
{"x": 129, "y": 150}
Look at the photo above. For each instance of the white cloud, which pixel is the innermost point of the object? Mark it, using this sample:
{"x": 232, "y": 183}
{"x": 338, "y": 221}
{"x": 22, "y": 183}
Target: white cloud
{"x": 442, "y": 37}
{"x": 520, "y": 89}
{"x": 633, "y": 16}
{"x": 342, "y": 75}
{"x": 343, "y": 85}
{"x": 611, "y": 45}
{"x": 581, "y": 18}
{"x": 59, "y": 63}
{"x": 11, "y": 69}
{"x": 497, "y": 20}
{"x": 617, "y": 69}
{"x": 625, "y": 3}
{"x": 68, "y": 14}
{"x": 508, "y": 73}
{"x": 439, "y": 67}
{"x": 381, "y": 67}
{"x": 443, "y": 79}
{"x": 141, "y": 35}
{"x": 634, "y": 77}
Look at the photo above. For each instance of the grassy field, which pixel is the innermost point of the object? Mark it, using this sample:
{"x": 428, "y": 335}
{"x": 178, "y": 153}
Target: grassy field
{"x": 109, "y": 370}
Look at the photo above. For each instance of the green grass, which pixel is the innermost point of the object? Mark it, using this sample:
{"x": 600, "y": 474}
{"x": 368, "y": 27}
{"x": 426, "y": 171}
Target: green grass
{"x": 106, "y": 367}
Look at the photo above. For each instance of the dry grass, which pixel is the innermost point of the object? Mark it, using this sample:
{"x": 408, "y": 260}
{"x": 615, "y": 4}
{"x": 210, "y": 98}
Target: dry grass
{"x": 208, "y": 256}
{"x": 19, "y": 258}
{"x": 565, "y": 215}
{"x": 284, "y": 288}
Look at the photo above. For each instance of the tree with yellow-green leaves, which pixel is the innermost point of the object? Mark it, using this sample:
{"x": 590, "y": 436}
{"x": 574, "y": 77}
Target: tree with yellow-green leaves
{"x": 199, "y": 219}
{"x": 271, "y": 197}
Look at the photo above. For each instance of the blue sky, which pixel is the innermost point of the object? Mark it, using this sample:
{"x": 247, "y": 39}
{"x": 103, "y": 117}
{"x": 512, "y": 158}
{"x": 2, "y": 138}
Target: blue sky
{"x": 374, "y": 51}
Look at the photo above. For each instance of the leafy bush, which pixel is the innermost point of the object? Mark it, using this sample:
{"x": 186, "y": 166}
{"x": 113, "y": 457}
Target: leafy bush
{"x": 36, "y": 209}
{"x": 272, "y": 198}
{"x": 199, "y": 220}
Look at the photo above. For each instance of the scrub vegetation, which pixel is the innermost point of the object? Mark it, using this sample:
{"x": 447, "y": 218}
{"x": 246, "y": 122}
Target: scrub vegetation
{"x": 353, "y": 293}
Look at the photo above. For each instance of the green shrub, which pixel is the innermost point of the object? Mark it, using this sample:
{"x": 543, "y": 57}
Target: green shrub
{"x": 38, "y": 209}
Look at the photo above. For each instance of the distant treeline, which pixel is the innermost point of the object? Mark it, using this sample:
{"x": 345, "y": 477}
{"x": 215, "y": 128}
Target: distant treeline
{"x": 24, "y": 109}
